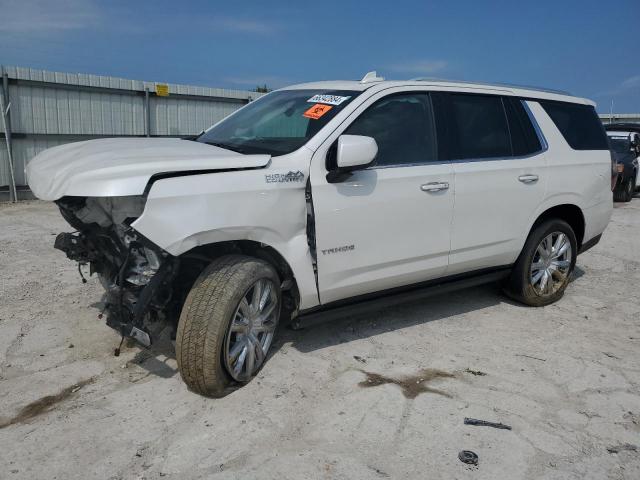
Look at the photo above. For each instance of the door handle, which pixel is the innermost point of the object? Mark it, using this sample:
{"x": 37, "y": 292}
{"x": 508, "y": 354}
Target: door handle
{"x": 434, "y": 186}
{"x": 528, "y": 178}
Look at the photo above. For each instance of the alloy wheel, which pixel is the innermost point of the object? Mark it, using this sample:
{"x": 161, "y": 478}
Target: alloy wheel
{"x": 251, "y": 330}
{"x": 551, "y": 264}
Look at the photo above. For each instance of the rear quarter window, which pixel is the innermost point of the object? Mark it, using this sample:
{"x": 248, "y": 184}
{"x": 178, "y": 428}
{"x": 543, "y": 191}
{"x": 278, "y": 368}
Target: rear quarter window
{"x": 579, "y": 125}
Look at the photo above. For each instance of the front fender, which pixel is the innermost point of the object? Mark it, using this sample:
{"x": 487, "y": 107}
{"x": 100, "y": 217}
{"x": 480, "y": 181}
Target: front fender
{"x": 185, "y": 212}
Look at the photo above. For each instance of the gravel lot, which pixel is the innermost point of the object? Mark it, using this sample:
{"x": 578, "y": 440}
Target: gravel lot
{"x": 340, "y": 400}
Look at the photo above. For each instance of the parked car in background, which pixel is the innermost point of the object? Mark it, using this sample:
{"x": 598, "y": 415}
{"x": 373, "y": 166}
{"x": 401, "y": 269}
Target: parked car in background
{"x": 324, "y": 196}
{"x": 624, "y": 139}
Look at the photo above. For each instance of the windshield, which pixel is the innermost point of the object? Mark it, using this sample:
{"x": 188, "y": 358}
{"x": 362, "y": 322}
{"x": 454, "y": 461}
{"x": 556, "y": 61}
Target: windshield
{"x": 278, "y": 123}
{"x": 620, "y": 144}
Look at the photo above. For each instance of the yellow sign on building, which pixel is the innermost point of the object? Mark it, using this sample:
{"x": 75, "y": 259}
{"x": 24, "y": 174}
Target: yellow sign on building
{"x": 162, "y": 89}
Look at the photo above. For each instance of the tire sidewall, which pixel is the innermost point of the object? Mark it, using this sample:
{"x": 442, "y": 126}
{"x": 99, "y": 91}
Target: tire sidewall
{"x": 527, "y": 292}
{"x": 207, "y": 315}
{"x": 629, "y": 189}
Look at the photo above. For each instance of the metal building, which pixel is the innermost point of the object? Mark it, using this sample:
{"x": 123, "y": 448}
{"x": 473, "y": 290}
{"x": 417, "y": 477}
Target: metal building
{"x": 620, "y": 117}
{"x": 51, "y": 108}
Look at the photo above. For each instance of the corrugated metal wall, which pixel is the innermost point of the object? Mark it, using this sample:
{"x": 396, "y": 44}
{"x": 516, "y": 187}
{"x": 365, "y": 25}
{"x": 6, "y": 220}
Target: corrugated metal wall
{"x": 52, "y": 108}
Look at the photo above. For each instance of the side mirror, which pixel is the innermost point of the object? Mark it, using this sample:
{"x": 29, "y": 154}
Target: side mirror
{"x": 354, "y": 152}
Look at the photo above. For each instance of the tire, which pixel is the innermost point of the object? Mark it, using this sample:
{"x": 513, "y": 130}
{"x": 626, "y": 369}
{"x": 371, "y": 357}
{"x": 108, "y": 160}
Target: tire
{"x": 625, "y": 192}
{"x": 520, "y": 285}
{"x": 205, "y": 334}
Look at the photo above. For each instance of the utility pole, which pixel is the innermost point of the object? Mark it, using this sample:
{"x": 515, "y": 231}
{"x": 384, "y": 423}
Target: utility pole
{"x": 5, "y": 106}
{"x": 611, "y": 112}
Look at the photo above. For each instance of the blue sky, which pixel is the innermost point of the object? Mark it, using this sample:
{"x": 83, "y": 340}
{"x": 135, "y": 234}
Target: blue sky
{"x": 585, "y": 47}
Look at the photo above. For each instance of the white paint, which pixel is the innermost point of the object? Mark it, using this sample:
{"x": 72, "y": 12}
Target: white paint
{"x": 123, "y": 166}
{"x": 356, "y": 150}
{"x": 379, "y": 229}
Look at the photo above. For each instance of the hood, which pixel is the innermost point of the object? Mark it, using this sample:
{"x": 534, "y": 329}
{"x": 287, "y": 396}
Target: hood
{"x": 116, "y": 167}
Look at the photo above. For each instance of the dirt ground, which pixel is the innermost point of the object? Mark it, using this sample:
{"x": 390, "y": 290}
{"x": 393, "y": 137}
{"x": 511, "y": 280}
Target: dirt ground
{"x": 375, "y": 397}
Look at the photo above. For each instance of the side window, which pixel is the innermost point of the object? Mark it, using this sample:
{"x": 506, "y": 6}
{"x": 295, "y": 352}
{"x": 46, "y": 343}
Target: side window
{"x": 477, "y": 127}
{"x": 402, "y": 125}
{"x": 579, "y": 124}
{"x": 524, "y": 138}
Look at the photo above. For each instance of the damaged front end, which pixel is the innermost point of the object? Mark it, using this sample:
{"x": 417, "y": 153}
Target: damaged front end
{"x": 136, "y": 274}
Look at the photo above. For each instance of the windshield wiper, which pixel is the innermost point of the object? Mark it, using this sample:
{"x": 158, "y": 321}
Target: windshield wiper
{"x": 226, "y": 146}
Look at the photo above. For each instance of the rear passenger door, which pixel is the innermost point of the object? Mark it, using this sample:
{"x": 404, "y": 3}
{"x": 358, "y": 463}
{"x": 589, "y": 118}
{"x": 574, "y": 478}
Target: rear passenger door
{"x": 499, "y": 166}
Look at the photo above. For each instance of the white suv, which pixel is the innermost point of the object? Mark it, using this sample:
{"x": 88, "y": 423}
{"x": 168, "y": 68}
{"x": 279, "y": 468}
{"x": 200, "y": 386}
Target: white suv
{"x": 324, "y": 195}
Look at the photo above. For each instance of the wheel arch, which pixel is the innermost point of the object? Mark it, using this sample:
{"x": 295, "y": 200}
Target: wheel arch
{"x": 199, "y": 257}
{"x": 570, "y": 213}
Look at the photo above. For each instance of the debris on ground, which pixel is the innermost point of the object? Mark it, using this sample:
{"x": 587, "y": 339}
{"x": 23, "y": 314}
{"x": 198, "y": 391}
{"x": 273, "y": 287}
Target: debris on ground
{"x": 477, "y": 373}
{"x": 484, "y": 423}
{"x": 359, "y": 359}
{"x": 625, "y": 447}
{"x": 468, "y": 457}
{"x": 529, "y": 356}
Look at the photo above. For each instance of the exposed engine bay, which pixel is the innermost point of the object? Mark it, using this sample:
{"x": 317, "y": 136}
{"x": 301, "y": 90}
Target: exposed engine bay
{"x": 136, "y": 274}
{"x": 145, "y": 285}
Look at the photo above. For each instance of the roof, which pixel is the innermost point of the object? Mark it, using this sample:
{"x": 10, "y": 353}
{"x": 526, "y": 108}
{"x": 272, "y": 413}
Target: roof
{"x": 437, "y": 84}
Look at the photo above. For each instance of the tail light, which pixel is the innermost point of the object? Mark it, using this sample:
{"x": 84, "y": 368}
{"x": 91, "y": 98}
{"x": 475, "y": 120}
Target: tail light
{"x": 614, "y": 170}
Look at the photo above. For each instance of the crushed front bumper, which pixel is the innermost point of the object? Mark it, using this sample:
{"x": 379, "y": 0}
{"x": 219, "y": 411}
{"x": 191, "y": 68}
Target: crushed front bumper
{"x": 134, "y": 295}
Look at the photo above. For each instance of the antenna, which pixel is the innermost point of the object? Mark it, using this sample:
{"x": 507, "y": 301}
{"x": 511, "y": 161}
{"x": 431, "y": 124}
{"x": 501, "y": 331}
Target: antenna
{"x": 371, "y": 77}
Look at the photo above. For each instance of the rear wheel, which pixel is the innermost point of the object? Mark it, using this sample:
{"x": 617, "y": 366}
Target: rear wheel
{"x": 541, "y": 273}
{"x": 227, "y": 324}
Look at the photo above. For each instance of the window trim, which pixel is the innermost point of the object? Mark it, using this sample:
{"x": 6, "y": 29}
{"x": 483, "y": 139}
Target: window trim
{"x": 540, "y": 102}
{"x": 543, "y": 140}
{"x": 427, "y": 94}
{"x": 544, "y": 145}
{"x": 344, "y": 123}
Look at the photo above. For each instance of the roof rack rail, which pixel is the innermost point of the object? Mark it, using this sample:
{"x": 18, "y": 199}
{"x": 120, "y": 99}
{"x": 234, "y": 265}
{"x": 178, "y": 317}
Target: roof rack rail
{"x": 493, "y": 84}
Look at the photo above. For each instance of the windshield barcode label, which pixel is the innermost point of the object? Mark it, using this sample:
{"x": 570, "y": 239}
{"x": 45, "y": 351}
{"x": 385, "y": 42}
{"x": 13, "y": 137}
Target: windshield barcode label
{"x": 328, "y": 99}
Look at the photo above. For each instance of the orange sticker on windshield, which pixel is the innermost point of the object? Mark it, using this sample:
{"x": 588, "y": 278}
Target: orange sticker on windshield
{"x": 317, "y": 111}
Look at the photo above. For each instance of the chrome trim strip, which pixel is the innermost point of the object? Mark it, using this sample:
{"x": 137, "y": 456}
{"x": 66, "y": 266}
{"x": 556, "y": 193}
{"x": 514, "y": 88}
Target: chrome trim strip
{"x": 464, "y": 160}
{"x": 534, "y": 122}
{"x": 493, "y": 84}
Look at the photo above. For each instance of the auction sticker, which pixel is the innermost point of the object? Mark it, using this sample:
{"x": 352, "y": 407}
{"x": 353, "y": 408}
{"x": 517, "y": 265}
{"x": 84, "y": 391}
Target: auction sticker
{"x": 328, "y": 99}
{"x": 317, "y": 111}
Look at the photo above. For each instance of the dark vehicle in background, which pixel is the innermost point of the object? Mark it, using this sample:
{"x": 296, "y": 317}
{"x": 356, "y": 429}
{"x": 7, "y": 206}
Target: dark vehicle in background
{"x": 624, "y": 139}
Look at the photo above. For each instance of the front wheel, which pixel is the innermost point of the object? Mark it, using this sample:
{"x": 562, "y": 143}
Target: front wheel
{"x": 541, "y": 273}
{"x": 227, "y": 324}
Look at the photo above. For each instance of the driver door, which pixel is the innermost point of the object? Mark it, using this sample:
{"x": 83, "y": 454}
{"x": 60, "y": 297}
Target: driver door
{"x": 387, "y": 225}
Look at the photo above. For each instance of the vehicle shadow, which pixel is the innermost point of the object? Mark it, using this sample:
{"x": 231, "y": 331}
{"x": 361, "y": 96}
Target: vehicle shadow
{"x": 395, "y": 317}
{"x": 577, "y": 273}
{"x": 158, "y": 360}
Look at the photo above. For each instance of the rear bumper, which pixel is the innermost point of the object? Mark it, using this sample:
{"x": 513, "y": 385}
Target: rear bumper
{"x": 596, "y": 219}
